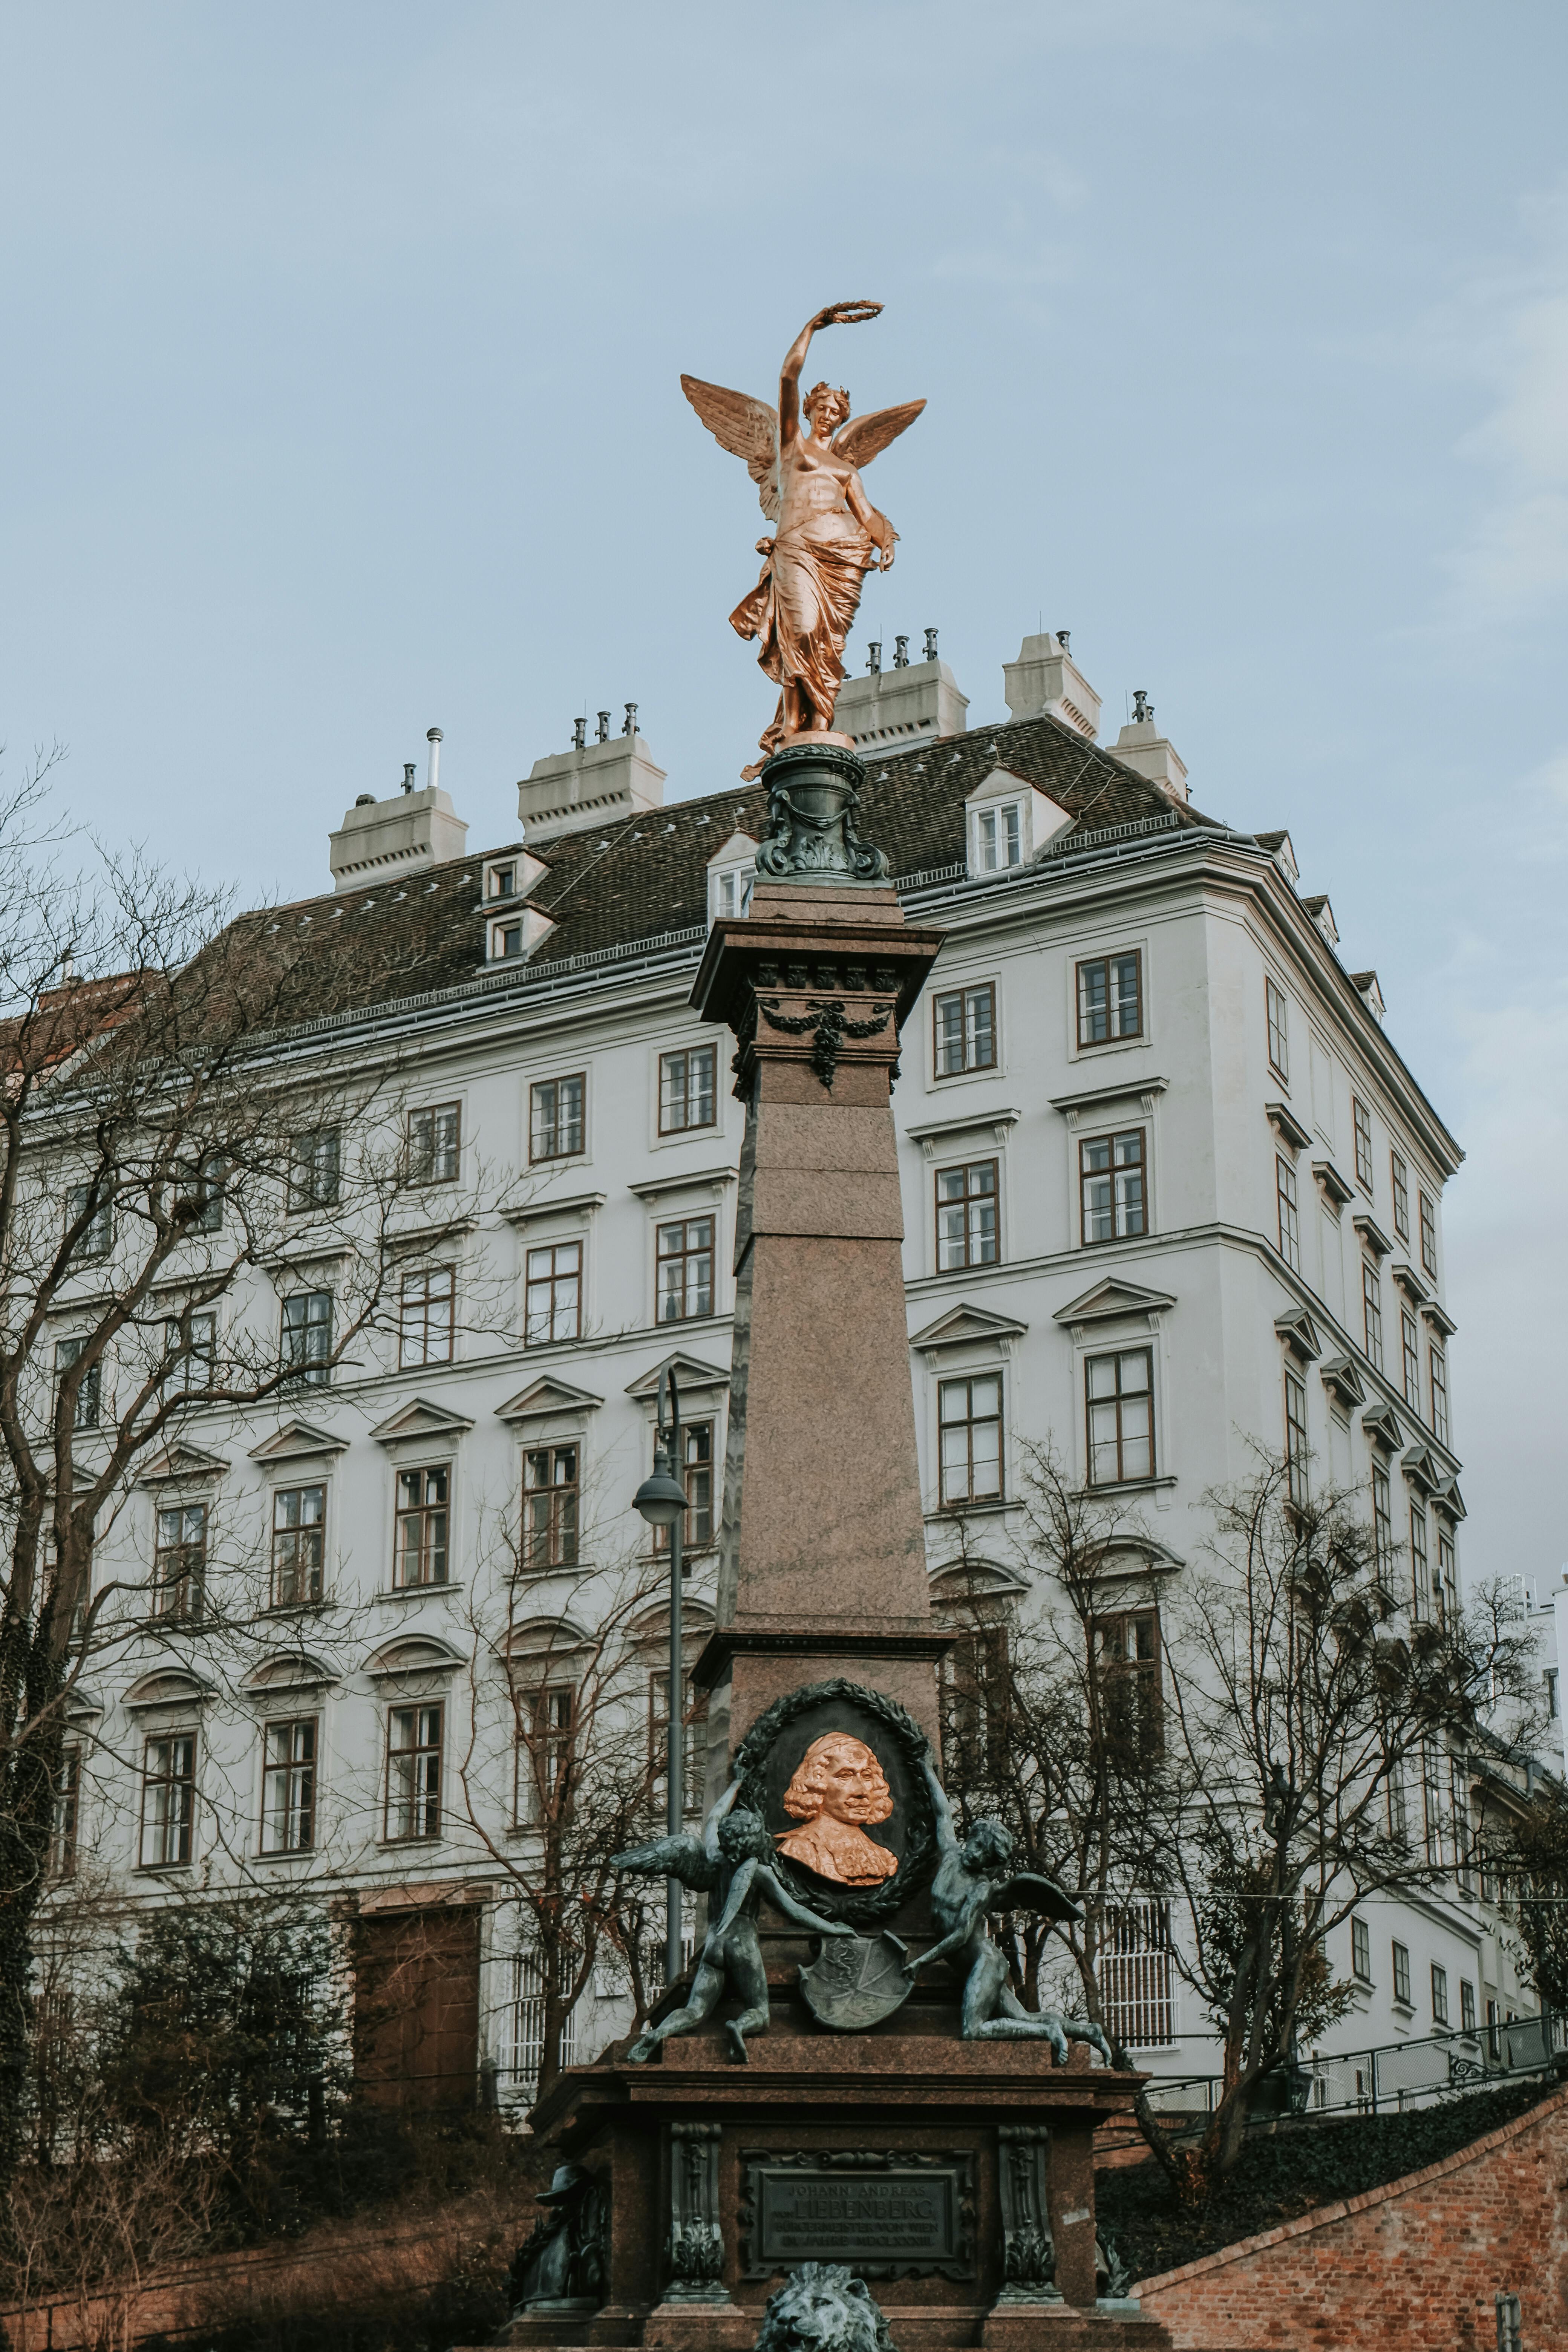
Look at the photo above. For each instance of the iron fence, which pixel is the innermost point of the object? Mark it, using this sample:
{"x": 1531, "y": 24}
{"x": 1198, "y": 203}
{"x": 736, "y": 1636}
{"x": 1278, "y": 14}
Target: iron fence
{"x": 1386, "y": 2080}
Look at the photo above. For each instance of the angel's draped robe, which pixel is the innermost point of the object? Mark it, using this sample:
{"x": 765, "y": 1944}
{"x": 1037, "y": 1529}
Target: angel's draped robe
{"x": 802, "y": 611}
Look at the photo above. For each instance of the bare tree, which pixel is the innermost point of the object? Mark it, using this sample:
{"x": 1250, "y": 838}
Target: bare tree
{"x": 176, "y": 1173}
{"x": 562, "y": 1708}
{"x": 1317, "y": 1731}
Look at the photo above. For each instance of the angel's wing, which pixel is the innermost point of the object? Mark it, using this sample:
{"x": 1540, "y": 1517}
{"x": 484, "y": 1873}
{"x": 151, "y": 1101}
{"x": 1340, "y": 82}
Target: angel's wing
{"x": 683, "y": 1856}
{"x": 748, "y": 428}
{"x": 1028, "y": 1892}
{"x": 865, "y": 437}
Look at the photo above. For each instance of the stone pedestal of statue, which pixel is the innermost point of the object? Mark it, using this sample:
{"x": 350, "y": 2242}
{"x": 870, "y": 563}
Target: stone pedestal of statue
{"x": 955, "y": 2175}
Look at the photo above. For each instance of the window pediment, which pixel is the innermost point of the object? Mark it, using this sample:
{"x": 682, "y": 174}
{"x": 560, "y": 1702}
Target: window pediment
{"x": 420, "y": 1418}
{"x": 417, "y": 1654}
{"x": 968, "y": 1326}
{"x": 1383, "y": 1423}
{"x": 1300, "y": 1335}
{"x": 543, "y": 1398}
{"x": 167, "y": 1687}
{"x": 287, "y": 1670}
{"x": 1111, "y": 1301}
{"x": 692, "y": 1378}
{"x": 295, "y": 1440}
{"x": 1340, "y": 1378}
{"x": 181, "y": 1462}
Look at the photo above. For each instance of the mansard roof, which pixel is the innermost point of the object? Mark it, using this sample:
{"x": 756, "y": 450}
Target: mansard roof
{"x": 645, "y": 877}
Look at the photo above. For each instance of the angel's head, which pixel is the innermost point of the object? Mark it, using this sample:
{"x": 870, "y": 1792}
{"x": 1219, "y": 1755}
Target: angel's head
{"x": 988, "y": 1846}
{"x": 744, "y": 1837}
{"x": 827, "y": 406}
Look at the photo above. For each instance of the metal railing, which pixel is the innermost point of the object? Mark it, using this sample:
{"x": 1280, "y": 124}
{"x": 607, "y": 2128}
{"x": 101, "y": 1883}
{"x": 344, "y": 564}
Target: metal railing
{"x": 1387, "y": 2080}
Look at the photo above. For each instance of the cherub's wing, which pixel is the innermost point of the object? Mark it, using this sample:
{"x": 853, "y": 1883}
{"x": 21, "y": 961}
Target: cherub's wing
{"x": 682, "y": 1856}
{"x": 1028, "y": 1892}
{"x": 748, "y": 428}
{"x": 865, "y": 437}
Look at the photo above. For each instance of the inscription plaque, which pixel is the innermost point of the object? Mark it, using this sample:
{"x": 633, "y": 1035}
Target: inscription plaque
{"x": 885, "y": 2213}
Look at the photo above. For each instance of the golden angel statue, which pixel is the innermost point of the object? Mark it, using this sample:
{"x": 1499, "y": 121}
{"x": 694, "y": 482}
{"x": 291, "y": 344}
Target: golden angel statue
{"x": 827, "y": 533}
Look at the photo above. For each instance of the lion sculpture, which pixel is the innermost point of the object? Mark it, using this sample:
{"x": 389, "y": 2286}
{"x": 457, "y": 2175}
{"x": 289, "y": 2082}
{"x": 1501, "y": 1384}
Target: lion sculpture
{"x": 823, "y": 2307}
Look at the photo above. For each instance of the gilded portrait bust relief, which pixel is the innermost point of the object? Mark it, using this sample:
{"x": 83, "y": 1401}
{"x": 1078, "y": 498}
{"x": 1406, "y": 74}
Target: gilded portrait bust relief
{"x": 837, "y": 1791}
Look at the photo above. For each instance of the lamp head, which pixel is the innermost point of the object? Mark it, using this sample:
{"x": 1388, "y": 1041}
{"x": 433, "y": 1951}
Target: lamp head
{"x": 661, "y": 1499}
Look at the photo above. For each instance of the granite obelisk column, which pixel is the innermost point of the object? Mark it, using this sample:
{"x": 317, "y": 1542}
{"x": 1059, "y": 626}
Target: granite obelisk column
{"x": 822, "y": 1565}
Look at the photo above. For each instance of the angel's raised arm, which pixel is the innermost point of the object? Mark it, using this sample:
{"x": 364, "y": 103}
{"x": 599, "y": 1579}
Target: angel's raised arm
{"x": 837, "y": 314}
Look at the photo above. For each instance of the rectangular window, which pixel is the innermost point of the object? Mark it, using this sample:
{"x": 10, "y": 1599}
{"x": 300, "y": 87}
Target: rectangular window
{"x": 694, "y": 1743}
{"x": 1401, "y": 1196}
{"x": 1398, "y": 1807}
{"x": 552, "y": 1301}
{"x": 205, "y": 1181}
{"x": 1361, "y": 1949}
{"x": 1128, "y": 1656}
{"x": 1467, "y": 2006}
{"x": 970, "y": 1420}
{"x": 315, "y": 1170}
{"x": 546, "y": 1753}
{"x": 67, "y": 1802}
{"x": 1361, "y": 1119}
{"x": 1402, "y": 1975}
{"x": 977, "y": 1705}
{"x": 696, "y": 1474}
{"x": 1420, "y": 1565}
{"x": 685, "y": 1256}
{"x": 687, "y": 1088}
{"x": 420, "y": 1554}
{"x": 1432, "y": 1805}
{"x": 1109, "y": 999}
{"x": 1121, "y": 1393}
{"x": 307, "y": 1337}
{"x": 555, "y": 1116}
{"x": 1372, "y": 1312}
{"x": 168, "y": 1800}
{"x": 1382, "y": 1515}
{"x": 433, "y": 1143}
{"x": 97, "y": 1235}
{"x": 1295, "y": 1433}
{"x": 1428, "y": 1236}
{"x": 1439, "y": 1995}
{"x": 1439, "y": 1368}
{"x": 1112, "y": 1198}
{"x": 506, "y": 941}
{"x": 1448, "y": 1572}
{"x": 190, "y": 1349}
{"x": 298, "y": 1532}
{"x": 413, "y": 1772}
{"x": 289, "y": 1786}
{"x": 1289, "y": 1221}
{"x": 1137, "y": 1976}
{"x": 966, "y": 1217}
{"x": 965, "y": 1031}
{"x": 90, "y": 1391}
{"x": 1410, "y": 1359}
{"x": 503, "y": 881}
{"x": 426, "y": 1318}
{"x": 523, "y": 2022}
{"x": 1279, "y": 1014}
{"x": 550, "y": 1502}
{"x": 179, "y": 1560}
{"x": 999, "y": 836}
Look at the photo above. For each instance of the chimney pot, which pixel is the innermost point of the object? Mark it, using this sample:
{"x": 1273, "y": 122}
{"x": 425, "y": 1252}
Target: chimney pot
{"x": 603, "y": 734}
{"x": 408, "y": 779}
{"x": 630, "y": 727}
{"x": 874, "y": 660}
{"x": 930, "y": 644}
{"x": 1141, "y": 707}
{"x": 433, "y": 736}
{"x": 1064, "y": 640}
{"x": 580, "y": 734}
{"x": 367, "y": 800}
{"x": 900, "y": 652}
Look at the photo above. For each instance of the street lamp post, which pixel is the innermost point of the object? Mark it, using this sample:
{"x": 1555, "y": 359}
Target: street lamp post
{"x": 662, "y": 1500}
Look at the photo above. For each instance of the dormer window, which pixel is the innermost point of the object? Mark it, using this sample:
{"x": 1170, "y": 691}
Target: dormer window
{"x": 731, "y": 874}
{"x": 999, "y": 836}
{"x": 1009, "y": 823}
{"x": 500, "y": 880}
{"x": 515, "y": 936}
{"x": 506, "y": 939}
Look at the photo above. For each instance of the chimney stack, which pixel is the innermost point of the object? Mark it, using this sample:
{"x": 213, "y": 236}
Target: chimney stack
{"x": 1141, "y": 746}
{"x": 1046, "y": 680}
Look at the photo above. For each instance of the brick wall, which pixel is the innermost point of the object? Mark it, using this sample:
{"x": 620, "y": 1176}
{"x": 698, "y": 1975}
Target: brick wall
{"x": 1412, "y": 2267}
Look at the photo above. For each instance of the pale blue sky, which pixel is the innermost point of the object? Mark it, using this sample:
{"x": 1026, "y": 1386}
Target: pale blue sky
{"x": 341, "y": 400}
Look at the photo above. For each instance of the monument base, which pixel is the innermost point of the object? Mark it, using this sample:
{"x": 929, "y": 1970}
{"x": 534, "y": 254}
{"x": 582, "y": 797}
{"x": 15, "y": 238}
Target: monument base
{"x": 956, "y": 2177}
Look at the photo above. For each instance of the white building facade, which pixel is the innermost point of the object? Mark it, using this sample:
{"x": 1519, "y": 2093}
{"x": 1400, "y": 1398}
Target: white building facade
{"x": 1170, "y": 1195}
